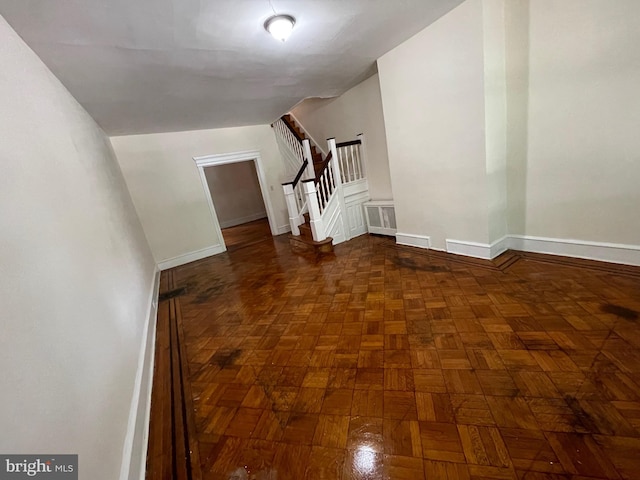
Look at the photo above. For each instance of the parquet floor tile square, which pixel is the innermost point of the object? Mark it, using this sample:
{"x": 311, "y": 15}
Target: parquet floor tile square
{"x": 462, "y": 381}
{"x": 402, "y": 468}
{"x": 366, "y": 433}
{"x": 367, "y": 403}
{"x": 435, "y": 407}
{"x": 446, "y": 470}
{"x": 471, "y": 410}
{"x": 337, "y": 402}
{"x": 484, "y": 446}
{"x": 388, "y": 362}
{"x": 309, "y": 400}
{"x": 441, "y": 441}
{"x": 332, "y": 431}
{"x": 301, "y": 428}
{"x": 400, "y": 405}
{"x": 401, "y": 437}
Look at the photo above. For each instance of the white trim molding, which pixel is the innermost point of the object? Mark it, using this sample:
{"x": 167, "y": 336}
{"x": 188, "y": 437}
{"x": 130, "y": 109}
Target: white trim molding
{"x": 134, "y": 454}
{"x": 411, "y": 240}
{"x": 498, "y": 247}
{"x": 478, "y": 250}
{"x": 469, "y": 249}
{"x": 284, "y": 229}
{"x": 191, "y": 256}
{"x": 602, "y": 251}
{"x": 235, "y": 157}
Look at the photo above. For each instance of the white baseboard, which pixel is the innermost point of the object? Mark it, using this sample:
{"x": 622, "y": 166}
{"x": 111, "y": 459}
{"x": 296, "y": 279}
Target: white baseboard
{"x": 601, "y": 251}
{"x": 469, "y": 249}
{"x": 134, "y": 453}
{"x": 478, "y": 250}
{"x": 284, "y": 229}
{"x": 191, "y": 257}
{"x": 498, "y": 247}
{"x": 605, "y": 252}
{"x": 246, "y": 219}
{"x": 411, "y": 240}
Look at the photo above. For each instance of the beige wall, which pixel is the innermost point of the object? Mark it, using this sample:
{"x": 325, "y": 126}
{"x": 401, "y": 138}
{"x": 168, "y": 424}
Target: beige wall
{"x": 359, "y": 110}
{"x": 76, "y": 278}
{"x": 236, "y": 193}
{"x": 433, "y": 97}
{"x": 167, "y": 191}
{"x": 583, "y": 157}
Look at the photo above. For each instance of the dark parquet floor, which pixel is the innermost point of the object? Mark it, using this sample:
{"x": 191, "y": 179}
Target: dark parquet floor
{"x": 390, "y": 362}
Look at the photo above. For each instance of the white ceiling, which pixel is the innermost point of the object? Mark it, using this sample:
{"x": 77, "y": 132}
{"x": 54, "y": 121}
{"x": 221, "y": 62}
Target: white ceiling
{"x": 141, "y": 66}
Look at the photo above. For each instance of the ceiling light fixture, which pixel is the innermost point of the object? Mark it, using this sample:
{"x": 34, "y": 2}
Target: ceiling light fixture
{"x": 280, "y": 26}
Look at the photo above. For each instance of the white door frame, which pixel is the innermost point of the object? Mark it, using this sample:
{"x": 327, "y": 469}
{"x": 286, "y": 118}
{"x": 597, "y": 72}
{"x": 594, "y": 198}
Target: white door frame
{"x": 223, "y": 159}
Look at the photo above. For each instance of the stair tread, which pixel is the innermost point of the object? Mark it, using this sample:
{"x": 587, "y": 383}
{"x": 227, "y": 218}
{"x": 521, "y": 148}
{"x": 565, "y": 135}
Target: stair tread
{"x": 311, "y": 241}
{"x": 305, "y": 244}
{"x": 292, "y": 123}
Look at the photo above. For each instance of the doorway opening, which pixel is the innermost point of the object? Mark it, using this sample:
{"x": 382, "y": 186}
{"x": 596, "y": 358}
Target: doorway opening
{"x": 237, "y": 192}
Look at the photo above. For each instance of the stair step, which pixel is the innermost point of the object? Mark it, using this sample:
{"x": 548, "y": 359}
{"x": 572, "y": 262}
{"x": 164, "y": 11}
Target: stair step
{"x": 292, "y": 123}
{"x": 305, "y": 231}
{"x": 304, "y": 245}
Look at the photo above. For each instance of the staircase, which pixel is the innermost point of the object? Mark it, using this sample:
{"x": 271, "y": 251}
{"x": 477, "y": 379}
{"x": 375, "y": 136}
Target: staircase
{"x": 316, "y": 156}
{"x": 302, "y": 240}
{"x": 325, "y": 198}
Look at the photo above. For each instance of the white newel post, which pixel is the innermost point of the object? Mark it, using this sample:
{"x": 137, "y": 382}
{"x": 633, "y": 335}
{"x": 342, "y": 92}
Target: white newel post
{"x": 363, "y": 154}
{"x": 306, "y": 146}
{"x": 315, "y": 218}
{"x": 337, "y": 175}
{"x": 292, "y": 207}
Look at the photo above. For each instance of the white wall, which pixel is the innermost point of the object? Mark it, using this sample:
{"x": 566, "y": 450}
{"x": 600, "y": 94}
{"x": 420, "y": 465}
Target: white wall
{"x": 236, "y": 193}
{"x": 359, "y": 110}
{"x": 167, "y": 191}
{"x": 583, "y": 159}
{"x": 76, "y": 275}
{"x": 519, "y": 118}
{"x": 516, "y": 27}
{"x": 432, "y": 89}
{"x": 495, "y": 102}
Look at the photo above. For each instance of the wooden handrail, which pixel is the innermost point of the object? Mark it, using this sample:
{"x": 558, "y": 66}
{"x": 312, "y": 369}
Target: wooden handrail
{"x": 325, "y": 163}
{"x": 346, "y": 144}
{"x": 299, "y": 175}
{"x": 303, "y": 167}
{"x": 291, "y": 129}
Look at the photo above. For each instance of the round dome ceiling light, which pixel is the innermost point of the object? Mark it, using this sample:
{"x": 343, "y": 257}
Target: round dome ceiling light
{"x": 280, "y": 26}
